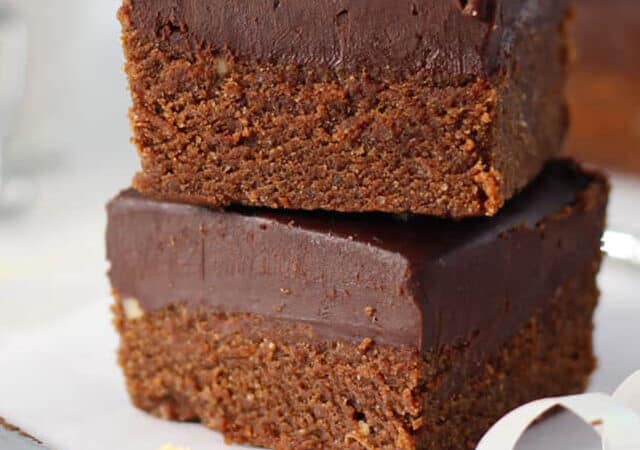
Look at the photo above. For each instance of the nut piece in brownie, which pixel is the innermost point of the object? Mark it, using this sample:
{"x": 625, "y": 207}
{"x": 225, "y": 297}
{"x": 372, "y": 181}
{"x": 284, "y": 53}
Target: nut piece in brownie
{"x": 296, "y": 330}
{"x": 426, "y": 106}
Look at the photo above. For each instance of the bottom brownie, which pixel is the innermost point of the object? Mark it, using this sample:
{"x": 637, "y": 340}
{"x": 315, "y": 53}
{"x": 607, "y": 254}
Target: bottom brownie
{"x": 267, "y": 382}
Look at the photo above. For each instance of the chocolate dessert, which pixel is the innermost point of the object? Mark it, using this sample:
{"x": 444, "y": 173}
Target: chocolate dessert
{"x": 439, "y": 107}
{"x": 306, "y": 330}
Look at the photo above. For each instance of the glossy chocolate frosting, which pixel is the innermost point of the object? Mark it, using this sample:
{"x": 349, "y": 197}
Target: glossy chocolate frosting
{"x": 450, "y": 38}
{"x": 413, "y": 281}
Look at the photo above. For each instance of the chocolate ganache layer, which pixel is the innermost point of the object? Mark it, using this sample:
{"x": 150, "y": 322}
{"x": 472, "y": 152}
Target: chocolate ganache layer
{"x": 451, "y": 38}
{"x": 414, "y": 281}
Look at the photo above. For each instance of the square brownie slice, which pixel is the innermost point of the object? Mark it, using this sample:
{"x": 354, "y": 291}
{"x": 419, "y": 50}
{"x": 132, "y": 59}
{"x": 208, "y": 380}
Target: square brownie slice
{"x": 296, "y": 330}
{"x": 436, "y": 107}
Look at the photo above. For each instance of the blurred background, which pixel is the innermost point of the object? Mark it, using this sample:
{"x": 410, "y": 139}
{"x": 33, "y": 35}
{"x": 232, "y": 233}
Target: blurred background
{"x": 65, "y": 150}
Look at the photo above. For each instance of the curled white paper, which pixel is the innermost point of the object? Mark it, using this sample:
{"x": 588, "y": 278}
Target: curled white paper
{"x": 628, "y": 393}
{"x": 616, "y": 418}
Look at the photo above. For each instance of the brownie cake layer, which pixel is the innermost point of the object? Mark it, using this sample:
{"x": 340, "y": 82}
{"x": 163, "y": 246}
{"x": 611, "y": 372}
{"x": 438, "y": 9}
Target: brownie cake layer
{"x": 425, "y": 106}
{"x": 271, "y": 384}
{"x": 604, "y": 91}
{"x": 316, "y": 330}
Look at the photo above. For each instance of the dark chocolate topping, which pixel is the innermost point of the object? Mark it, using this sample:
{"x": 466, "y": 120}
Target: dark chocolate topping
{"x": 425, "y": 282}
{"x": 450, "y": 38}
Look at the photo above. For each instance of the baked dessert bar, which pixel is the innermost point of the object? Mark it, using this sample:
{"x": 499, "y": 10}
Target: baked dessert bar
{"x": 438, "y": 107}
{"x": 300, "y": 330}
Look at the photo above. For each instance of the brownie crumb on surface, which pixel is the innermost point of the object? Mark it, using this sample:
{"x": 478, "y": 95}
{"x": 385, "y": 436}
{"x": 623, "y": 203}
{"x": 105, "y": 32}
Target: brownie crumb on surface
{"x": 10, "y": 427}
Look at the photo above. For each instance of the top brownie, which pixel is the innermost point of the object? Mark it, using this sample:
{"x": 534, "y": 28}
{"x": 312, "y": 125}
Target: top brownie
{"x": 437, "y": 107}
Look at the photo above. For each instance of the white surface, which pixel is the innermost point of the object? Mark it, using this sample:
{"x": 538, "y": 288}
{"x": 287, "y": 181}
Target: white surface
{"x": 59, "y": 378}
{"x": 58, "y": 372}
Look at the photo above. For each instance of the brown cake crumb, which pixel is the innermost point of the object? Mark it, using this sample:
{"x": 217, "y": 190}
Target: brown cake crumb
{"x": 370, "y": 311}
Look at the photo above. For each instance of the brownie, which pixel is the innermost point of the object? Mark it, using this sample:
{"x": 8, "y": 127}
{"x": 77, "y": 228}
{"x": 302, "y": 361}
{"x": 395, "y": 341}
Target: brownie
{"x": 604, "y": 88}
{"x": 436, "y": 107}
{"x": 306, "y": 330}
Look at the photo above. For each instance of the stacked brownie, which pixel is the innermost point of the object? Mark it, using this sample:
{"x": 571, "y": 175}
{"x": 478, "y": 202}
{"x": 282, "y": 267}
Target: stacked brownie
{"x": 348, "y": 231}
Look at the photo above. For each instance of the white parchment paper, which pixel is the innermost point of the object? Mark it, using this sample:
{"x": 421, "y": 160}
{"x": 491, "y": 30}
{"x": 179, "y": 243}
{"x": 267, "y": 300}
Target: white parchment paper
{"x": 616, "y": 418}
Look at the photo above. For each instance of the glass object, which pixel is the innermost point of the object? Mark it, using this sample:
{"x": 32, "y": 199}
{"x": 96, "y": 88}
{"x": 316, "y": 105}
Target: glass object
{"x": 622, "y": 246}
{"x": 14, "y": 192}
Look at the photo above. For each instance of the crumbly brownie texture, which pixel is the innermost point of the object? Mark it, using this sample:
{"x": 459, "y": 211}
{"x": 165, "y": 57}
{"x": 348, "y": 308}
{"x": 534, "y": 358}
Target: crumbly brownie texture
{"x": 265, "y": 383}
{"x": 604, "y": 88}
{"x": 352, "y": 131}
